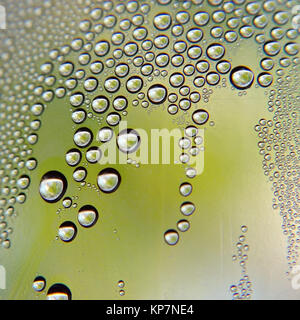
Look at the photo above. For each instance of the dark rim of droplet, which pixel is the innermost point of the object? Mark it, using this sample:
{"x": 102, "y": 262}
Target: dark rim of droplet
{"x": 69, "y": 224}
{"x": 80, "y": 156}
{"x": 80, "y": 168}
{"x": 236, "y": 69}
{"x": 109, "y": 171}
{"x": 55, "y": 175}
{"x": 200, "y": 124}
{"x": 60, "y": 288}
{"x": 160, "y": 87}
{"x": 87, "y": 130}
{"x": 212, "y": 45}
{"x": 40, "y": 278}
{"x": 127, "y": 131}
{"x": 171, "y": 231}
{"x": 263, "y": 74}
{"x": 89, "y": 208}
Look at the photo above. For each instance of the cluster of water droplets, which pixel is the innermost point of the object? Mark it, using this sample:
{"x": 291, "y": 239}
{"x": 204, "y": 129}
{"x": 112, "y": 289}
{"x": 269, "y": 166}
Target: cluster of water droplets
{"x": 243, "y": 289}
{"x": 105, "y": 58}
{"x": 278, "y": 144}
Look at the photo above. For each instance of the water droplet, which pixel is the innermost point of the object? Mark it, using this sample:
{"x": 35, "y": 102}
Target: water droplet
{"x": 93, "y": 155}
{"x": 241, "y": 77}
{"x": 100, "y": 104}
{"x": 157, "y": 94}
{"x": 128, "y": 140}
{"x": 83, "y": 137}
{"x": 67, "y": 231}
{"x": 79, "y": 174}
{"x": 105, "y": 134}
{"x": 73, "y": 157}
{"x": 87, "y": 216}
{"x": 187, "y": 208}
{"x": 108, "y": 180}
{"x": 171, "y": 237}
{"x": 183, "y": 225}
{"x": 112, "y": 84}
{"x": 39, "y": 284}
{"x": 53, "y": 186}
{"x": 215, "y": 51}
{"x": 265, "y": 79}
{"x": 59, "y": 292}
{"x": 134, "y": 84}
{"x": 185, "y": 189}
{"x": 200, "y": 116}
{"x": 162, "y": 21}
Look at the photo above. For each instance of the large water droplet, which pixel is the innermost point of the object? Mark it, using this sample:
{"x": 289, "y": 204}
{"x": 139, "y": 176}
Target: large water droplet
{"x": 87, "y": 216}
{"x": 157, "y": 94}
{"x": 241, "y": 77}
{"x": 108, "y": 180}
{"x": 53, "y": 186}
{"x": 83, "y": 137}
{"x": 200, "y": 116}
